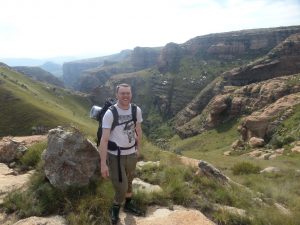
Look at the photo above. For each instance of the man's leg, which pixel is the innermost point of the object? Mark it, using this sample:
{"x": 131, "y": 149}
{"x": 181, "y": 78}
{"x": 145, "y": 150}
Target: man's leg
{"x": 130, "y": 172}
{"x": 119, "y": 187}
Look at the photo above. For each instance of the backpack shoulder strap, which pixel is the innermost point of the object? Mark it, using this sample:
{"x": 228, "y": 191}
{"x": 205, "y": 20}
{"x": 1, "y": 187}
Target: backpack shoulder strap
{"x": 115, "y": 116}
{"x": 134, "y": 112}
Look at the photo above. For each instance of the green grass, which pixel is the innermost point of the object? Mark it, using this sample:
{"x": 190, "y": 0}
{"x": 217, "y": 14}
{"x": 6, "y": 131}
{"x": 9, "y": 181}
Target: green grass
{"x": 245, "y": 168}
{"x": 26, "y": 103}
{"x": 32, "y": 156}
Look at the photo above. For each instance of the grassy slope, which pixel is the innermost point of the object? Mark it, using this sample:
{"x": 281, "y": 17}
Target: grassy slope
{"x": 282, "y": 187}
{"x": 26, "y": 103}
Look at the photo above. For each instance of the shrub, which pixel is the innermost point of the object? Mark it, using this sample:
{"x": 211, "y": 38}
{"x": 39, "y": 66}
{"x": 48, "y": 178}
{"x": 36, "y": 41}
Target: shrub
{"x": 32, "y": 156}
{"x": 245, "y": 168}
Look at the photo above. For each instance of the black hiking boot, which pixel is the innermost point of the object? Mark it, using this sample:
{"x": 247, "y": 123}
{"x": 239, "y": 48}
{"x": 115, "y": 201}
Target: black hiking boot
{"x": 130, "y": 207}
{"x": 114, "y": 214}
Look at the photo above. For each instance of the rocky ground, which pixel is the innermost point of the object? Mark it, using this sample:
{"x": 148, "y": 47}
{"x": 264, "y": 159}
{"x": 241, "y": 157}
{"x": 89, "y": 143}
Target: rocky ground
{"x": 11, "y": 180}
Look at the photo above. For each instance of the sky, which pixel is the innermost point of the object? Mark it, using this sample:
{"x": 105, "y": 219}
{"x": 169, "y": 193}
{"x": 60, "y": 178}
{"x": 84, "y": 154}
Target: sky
{"x": 90, "y": 28}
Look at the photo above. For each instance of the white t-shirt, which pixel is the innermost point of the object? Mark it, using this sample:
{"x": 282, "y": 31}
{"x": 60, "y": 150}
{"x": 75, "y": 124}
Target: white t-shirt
{"x": 123, "y": 135}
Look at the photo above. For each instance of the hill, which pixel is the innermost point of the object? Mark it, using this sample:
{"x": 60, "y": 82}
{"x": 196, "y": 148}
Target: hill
{"x": 28, "y": 106}
{"x": 39, "y": 74}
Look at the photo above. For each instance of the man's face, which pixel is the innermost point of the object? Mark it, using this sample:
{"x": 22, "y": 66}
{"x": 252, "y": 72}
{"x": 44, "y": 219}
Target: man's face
{"x": 124, "y": 96}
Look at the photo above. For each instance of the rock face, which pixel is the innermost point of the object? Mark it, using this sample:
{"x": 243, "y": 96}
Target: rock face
{"x": 231, "y": 45}
{"x": 170, "y": 57}
{"x": 142, "y": 57}
{"x": 232, "y": 102}
{"x": 262, "y": 124}
{"x": 70, "y": 159}
{"x": 282, "y": 60}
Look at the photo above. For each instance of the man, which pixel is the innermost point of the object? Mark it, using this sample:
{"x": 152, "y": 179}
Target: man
{"x": 119, "y": 149}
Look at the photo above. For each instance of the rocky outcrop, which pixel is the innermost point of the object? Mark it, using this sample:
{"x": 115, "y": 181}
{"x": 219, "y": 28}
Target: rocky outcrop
{"x": 232, "y": 45}
{"x": 70, "y": 158}
{"x": 170, "y": 57}
{"x": 282, "y": 60}
{"x": 143, "y": 57}
{"x": 232, "y": 102}
{"x": 263, "y": 123}
{"x": 39, "y": 74}
{"x": 196, "y": 106}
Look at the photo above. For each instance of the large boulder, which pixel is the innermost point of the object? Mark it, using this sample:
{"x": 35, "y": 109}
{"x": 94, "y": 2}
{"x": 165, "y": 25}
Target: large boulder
{"x": 70, "y": 158}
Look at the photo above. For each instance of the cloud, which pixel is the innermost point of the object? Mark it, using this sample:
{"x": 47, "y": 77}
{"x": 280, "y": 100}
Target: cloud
{"x": 37, "y": 28}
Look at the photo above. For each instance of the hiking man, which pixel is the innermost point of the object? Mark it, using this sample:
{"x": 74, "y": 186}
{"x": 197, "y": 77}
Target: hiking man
{"x": 119, "y": 149}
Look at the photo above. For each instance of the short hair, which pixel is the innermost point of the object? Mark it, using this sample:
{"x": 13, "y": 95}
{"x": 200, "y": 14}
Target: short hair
{"x": 122, "y": 85}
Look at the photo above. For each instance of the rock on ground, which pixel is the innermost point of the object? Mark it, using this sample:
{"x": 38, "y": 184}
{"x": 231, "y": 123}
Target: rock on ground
{"x": 10, "y": 181}
{"x": 70, "y": 158}
{"x": 164, "y": 216}
{"x": 54, "y": 220}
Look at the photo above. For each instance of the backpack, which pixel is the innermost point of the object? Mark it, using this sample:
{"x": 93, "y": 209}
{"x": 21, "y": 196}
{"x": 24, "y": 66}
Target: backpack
{"x": 97, "y": 113}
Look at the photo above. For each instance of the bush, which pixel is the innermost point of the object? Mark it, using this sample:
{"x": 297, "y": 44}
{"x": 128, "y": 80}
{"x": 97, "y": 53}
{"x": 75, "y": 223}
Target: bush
{"x": 245, "y": 168}
{"x": 32, "y": 156}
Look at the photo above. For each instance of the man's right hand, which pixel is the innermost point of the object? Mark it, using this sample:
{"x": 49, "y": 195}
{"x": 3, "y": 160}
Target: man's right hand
{"x": 104, "y": 171}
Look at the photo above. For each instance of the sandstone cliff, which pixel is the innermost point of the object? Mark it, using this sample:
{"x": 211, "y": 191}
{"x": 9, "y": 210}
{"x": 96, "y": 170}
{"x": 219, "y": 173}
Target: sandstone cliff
{"x": 221, "y": 102}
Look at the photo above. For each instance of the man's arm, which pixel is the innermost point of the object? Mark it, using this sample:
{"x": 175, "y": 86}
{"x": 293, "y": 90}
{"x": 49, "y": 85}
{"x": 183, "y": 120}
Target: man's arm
{"x": 139, "y": 134}
{"x": 103, "y": 152}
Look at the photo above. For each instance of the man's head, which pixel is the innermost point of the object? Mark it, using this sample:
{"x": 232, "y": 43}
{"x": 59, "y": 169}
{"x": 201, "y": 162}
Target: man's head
{"x": 124, "y": 95}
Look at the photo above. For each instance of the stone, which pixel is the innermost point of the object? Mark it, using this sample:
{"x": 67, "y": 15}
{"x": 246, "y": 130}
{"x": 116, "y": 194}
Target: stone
{"x": 265, "y": 156}
{"x": 255, "y": 153}
{"x": 10, "y": 181}
{"x": 237, "y": 144}
{"x": 282, "y": 209}
{"x": 156, "y": 215}
{"x": 296, "y": 149}
{"x": 210, "y": 171}
{"x": 255, "y": 142}
{"x": 231, "y": 210}
{"x": 139, "y": 185}
{"x": 279, "y": 151}
{"x": 273, "y": 156}
{"x": 10, "y": 150}
{"x": 70, "y": 158}
{"x": 270, "y": 169}
{"x": 151, "y": 164}
{"x": 53, "y": 220}
{"x": 227, "y": 153}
